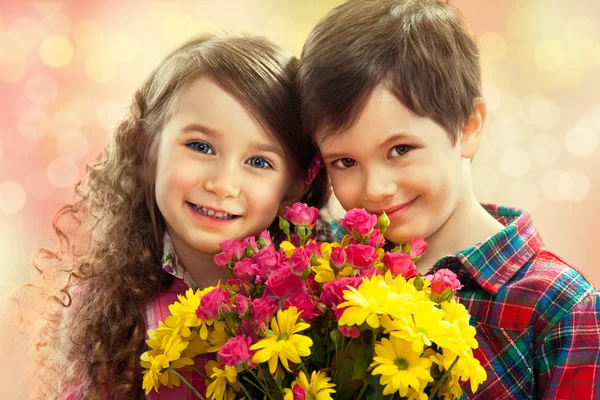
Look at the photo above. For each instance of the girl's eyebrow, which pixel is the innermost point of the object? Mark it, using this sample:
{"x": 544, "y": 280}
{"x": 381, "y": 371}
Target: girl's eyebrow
{"x": 199, "y": 128}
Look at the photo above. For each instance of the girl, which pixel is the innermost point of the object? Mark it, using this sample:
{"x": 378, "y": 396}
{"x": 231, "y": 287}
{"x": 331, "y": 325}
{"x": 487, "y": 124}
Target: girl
{"x": 210, "y": 150}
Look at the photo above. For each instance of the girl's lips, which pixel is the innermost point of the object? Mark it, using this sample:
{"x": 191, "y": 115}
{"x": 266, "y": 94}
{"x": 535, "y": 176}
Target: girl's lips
{"x": 208, "y": 220}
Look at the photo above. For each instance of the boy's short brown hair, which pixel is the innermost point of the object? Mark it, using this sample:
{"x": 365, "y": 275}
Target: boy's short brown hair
{"x": 421, "y": 50}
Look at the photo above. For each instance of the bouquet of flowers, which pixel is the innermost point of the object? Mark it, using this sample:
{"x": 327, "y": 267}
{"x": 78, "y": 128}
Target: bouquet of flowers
{"x": 320, "y": 320}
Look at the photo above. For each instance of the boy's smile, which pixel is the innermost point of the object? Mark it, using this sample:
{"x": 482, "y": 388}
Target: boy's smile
{"x": 395, "y": 161}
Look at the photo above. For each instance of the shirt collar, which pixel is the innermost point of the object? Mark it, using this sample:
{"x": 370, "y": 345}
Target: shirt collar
{"x": 171, "y": 264}
{"x": 493, "y": 262}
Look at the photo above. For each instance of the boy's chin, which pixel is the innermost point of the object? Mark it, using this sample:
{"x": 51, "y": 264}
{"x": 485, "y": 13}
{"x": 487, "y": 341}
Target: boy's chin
{"x": 400, "y": 235}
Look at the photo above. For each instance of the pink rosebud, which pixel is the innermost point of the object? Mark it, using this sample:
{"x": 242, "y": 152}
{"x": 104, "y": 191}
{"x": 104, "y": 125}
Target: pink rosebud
{"x": 360, "y": 256}
{"x": 298, "y": 393}
{"x": 376, "y": 239}
{"x": 350, "y": 331}
{"x": 338, "y": 257}
{"x": 443, "y": 279}
{"x": 301, "y": 214}
{"x": 211, "y": 303}
{"x": 303, "y": 302}
{"x": 242, "y": 304}
{"x": 250, "y": 242}
{"x": 236, "y": 350}
{"x": 368, "y": 272}
{"x": 417, "y": 247}
{"x": 262, "y": 310}
{"x": 266, "y": 236}
{"x": 246, "y": 270}
{"x": 282, "y": 283}
{"x": 400, "y": 264}
{"x": 300, "y": 261}
{"x": 313, "y": 248}
{"x": 359, "y": 221}
{"x": 268, "y": 260}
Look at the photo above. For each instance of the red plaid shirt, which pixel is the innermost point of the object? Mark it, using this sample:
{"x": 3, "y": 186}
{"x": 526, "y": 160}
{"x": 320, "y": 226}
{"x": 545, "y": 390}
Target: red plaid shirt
{"x": 537, "y": 318}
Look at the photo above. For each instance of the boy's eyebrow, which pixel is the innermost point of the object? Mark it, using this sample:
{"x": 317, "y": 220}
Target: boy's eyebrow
{"x": 390, "y": 140}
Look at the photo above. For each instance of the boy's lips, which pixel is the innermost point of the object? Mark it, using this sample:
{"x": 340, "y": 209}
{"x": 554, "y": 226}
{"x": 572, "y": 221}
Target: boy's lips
{"x": 396, "y": 210}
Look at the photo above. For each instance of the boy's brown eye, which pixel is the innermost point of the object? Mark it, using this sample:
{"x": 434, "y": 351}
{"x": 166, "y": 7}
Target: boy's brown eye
{"x": 400, "y": 150}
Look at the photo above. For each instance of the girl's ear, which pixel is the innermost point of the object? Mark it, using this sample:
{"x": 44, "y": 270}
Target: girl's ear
{"x": 472, "y": 129}
{"x": 295, "y": 192}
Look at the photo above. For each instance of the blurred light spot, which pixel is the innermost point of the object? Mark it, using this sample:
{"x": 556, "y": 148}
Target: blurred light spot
{"x": 48, "y": 7}
{"x": 13, "y": 46}
{"x": 57, "y": 23}
{"x": 158, "y": 9}
{"x": 1, "y": 151}
{"x": 581, "y": 186}
{"x": 56, "y": 51}
{"x": 549, "y": 55}
{"x": 525, "y": 195}
{"x": 110, "y": 113}
{"x": 62, "y": 172}
{"x": 124, "y": 47}
{"x": 64, "y": 121}
{"x": 595, "y": 56}
{"x": 580, "y": 28}
{"x": 508, "y": 132}
{"x": 580, "y": 54}
{"x": 29, "y": 131}
{"x": 179, "y": 26}
{"x": 88, "y": 36}
{"x": 13, "y": 72}
{"x": 85, "y": 107}
{"x": 99, "y": 68}
{"x": 37, "y": 185}
{"x": 514, "y": 162}
{"x": 542, "y": 112}
{"x": 32, "y": 28}
{"x": 19, "y": 144}
{"x": 13, "y": 197}
{"x": 510, "y": 108}
{"x": 41, "y": 89}
{"x": 520, "y": 23}
{"x": 544, "y": 149}
{"x": 492, "y": 96}
{"x": 33, "y": 115}
{"x": 551, "y": 182}
{"x": 73, "y": 145}
{"x": 581, "y": 141}
{"x": 493, "y": 46}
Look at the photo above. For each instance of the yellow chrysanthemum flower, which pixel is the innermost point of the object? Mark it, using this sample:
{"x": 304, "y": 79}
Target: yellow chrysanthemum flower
{"x": 156, "y": 365}
{"x": 183, "y": 312}
{"x": 288, "y": 248}
{"x": 373, "y": 298}
{"x": 400, "y": 366}
{"x": 458, "y": 316}
{"x": 323, "y": 272}
{"x": 319, "y": 387}
{"x": 423, "y": 327}
{"x": 218, "y": 388}
{"x": 466, "y": 368}
{"x": 284, "y": 343}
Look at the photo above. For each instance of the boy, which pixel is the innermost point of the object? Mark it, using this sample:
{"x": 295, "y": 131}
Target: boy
{"x": 391, "y": 93}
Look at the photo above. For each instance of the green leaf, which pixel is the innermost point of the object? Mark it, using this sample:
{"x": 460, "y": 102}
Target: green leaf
{"x": 349, "y": 368}
{"x": 375, "y": 389}
{"x": 419, "y": 282}
{"x": 447, "y": 294}
{"x": 317, "y": 350}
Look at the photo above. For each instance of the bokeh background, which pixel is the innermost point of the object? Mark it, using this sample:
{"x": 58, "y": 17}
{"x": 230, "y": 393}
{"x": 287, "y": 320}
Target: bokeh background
{"x": 68, "y": 69}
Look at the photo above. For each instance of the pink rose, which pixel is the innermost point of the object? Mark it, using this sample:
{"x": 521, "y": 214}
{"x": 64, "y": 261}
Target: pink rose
{"x": 313, "y": 248}
{"x": 282, "y": 283}
{"x": 360, "y": 256}
{"x": 211, "y": 303}
{"x": 333, "y": 292}
{"x": 368, "y": 272}
{"x": 376, "y": 239}
{"x": 338, "y": 257}
{"x": 303, "y": 302}
{"x": 298, "y": 393}
{"x": 417, "y": 247}
{"x": 232, "y": 250}
{"x": 359, "y": 221}
{"x": 246, "y": 270}
{"x": 262, "y": 310}
{"x": 301, "y": 214}
{"x": 443, "y": 279}
{"x": 236, "y": 351}
{"x": 242, "y": 304}
{"x": 400, "y": 264}
{"x": 349, "y": 331}
{"x": 300, "y": 261}
{"x": 268, "y": 260}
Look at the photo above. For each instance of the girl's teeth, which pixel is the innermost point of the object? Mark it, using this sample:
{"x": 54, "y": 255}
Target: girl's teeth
{"x": 213, "y": 214}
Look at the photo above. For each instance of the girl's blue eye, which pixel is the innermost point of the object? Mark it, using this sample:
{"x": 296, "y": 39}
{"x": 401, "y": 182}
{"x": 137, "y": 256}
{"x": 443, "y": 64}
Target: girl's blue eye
{"x": 344, "y": 163}
{"x": 400, "y": 150}
{"x": 259, "y": 162}
{"x": 201, "y": 147}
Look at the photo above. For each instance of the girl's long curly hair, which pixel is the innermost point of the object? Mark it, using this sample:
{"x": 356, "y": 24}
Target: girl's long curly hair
{"x": 107, "y": 266}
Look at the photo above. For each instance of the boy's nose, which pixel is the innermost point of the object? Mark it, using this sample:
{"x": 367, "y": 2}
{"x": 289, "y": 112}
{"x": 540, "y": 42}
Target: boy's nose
{"x": 223, "y": 182}
{"x": 377, "y": 188}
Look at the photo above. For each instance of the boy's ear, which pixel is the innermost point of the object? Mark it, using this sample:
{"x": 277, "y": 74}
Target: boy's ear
{"x": 470, "y": 137}
{"x": 294, "y": 194}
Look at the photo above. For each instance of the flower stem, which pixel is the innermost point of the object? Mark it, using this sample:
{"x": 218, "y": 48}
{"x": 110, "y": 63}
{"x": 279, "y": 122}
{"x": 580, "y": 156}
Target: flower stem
{"x": 202, "y": 374}
{"x": 193, "y": 389}
{"x": 437, "y": 386}
{"x": 244, "y": 389}
{"x": 261, "y": 383}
